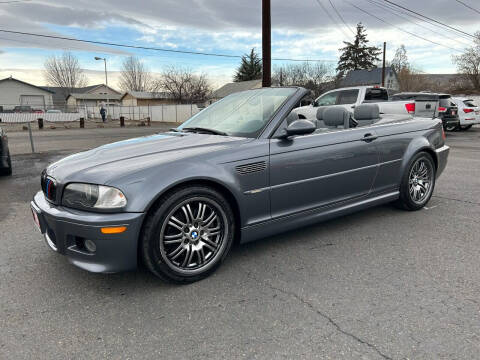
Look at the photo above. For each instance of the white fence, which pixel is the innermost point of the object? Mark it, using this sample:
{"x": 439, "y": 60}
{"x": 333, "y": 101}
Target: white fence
{"x": 161, "y": 113}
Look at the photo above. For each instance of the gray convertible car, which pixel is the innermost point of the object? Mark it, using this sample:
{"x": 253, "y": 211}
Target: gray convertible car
{"x": 244, "y": 168}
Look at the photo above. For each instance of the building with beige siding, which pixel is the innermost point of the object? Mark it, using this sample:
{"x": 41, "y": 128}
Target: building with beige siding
{"x": 144, "y": 98}
{"x": 14, "y": 92}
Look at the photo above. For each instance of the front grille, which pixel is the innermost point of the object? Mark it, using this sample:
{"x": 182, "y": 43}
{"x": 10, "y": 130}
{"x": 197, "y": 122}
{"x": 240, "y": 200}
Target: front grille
{"x": 49, "y": 187}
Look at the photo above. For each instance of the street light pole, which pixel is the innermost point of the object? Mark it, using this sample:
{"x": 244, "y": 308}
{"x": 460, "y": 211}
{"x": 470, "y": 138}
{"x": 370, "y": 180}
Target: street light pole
{"x": 266, "y": 44}
{"x": 106, "y": 78}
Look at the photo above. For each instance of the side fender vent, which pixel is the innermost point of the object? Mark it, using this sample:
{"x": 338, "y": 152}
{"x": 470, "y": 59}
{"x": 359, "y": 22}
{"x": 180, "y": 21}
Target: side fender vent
{"x": 251, "y": 168}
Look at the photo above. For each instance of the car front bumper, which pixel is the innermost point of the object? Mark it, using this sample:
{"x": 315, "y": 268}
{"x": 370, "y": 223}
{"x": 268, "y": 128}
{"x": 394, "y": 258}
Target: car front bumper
{"x": 65, "y": 231}
{"x": 442, "y": 157}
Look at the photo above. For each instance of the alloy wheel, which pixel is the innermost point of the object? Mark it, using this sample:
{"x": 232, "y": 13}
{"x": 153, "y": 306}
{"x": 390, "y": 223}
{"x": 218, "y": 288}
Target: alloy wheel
{"x": 193, "y": 235}
{"x": 420, "y": 180}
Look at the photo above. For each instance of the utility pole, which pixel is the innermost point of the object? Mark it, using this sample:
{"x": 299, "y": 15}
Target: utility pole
{"x": 266, "y": 44}
{"x": 383, "y": 67}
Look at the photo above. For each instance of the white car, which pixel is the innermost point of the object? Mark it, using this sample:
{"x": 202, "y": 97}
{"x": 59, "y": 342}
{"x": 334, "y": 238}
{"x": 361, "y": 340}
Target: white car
{"x": 350, "y": 97}
{"x": 468, "y": 112}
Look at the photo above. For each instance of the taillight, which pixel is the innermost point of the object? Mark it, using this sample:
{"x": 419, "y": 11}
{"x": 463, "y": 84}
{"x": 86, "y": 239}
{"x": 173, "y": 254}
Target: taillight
{"x": 443, "y": 134}
{"x": 410, "y": 108}
{"x": 466, "y": 111}
{"x": 442, "y": 109}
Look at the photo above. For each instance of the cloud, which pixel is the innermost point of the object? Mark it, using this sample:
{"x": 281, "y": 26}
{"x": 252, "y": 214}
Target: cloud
{"x": 300, "y": 29}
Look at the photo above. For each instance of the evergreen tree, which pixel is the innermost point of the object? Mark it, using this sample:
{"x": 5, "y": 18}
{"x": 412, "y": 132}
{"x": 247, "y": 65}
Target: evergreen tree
{"x": 400, "y": 60}
{"x": 250, "y": 68}
{"x": 358, "y": 55}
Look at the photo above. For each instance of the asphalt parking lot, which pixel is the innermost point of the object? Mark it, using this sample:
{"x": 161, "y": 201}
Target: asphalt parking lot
{"x": 382, "y": 283}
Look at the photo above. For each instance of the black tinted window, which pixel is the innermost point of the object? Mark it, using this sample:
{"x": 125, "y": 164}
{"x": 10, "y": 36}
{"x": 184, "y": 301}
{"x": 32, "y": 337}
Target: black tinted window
{"x": 376, "y": 94}
{"x": 446, "y": 102}
{"x": 469, "y": 103}
{"x": 347, "y": 97}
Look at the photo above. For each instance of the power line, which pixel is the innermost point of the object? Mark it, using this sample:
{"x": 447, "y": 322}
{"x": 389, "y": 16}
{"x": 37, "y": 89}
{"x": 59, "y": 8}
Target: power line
{"x": 325, "y": 10}
{"x": 468, "y": 6}
{"x": 147, "y": 47}
{"x": 419, "y": 18}
{"x": 399, "y": 28}
{"x": 426, "y": 17}
{"x": 341, "y": 17}
{"x": 397, "y": 12}
{"x": 14, "y": 1}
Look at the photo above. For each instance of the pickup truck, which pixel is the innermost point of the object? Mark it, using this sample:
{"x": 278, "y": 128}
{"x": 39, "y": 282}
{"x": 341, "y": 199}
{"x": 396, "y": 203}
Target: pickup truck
{"x": 350, "y": 97}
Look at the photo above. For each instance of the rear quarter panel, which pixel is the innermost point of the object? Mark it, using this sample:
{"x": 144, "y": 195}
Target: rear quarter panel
{"x": 398, "y": 143}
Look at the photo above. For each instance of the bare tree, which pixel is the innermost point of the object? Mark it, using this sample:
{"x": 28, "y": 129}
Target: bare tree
{"x": 400, "y": 60}
{"x": 183, "y": 85}
{"x": 64, "y": 71}
{"x": 468, "y": 64}
{"x": 317, "y": 76}
{"x": 135, "y": 76}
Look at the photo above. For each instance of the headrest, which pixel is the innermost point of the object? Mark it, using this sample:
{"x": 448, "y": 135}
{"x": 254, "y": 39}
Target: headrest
{"x": 366, "y": 112}
{"x": 336, "y": 116}
{"x": 293, "y": 116}
{"x": 320, "y": 112}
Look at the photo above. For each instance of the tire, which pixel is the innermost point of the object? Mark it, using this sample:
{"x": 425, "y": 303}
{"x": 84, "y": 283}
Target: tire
{"x": 465, "y": 127}
{"x": 188, "y": 235}
{"x": 8, "y": 170}
{"x": 413, "y": 195}
{"x": 450, "y": 127}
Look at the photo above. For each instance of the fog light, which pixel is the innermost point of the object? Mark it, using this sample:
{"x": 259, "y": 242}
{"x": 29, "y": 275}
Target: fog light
{"x": 90, "y": 246}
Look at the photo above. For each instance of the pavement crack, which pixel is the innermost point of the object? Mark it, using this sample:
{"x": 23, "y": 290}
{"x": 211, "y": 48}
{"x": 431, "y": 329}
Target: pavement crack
{"x": 323, "y": 315}
{"x": 453, "y": 199}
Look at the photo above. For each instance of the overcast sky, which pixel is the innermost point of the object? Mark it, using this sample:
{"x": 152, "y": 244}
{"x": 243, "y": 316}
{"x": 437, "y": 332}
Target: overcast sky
{"x": 300, "y": 30}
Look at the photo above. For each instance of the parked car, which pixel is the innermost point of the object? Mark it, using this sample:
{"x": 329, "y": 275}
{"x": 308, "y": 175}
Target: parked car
{"x": 468, "y": 112}
{"x": 5, "y": 159}
{"x": 350, "y": 97}
{"x": 447, "y": 110}
{"x": 22, "y": 109}
{"x": 244, "y": 168}
{"x": 54, "y": 111}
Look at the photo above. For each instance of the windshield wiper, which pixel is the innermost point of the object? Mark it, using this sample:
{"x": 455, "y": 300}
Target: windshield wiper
{"x": 200, "y": 129}
{"x": 174, "y": 130}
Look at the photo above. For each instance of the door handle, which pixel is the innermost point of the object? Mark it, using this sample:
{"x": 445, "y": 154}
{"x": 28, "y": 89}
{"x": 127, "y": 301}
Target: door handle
{"x": 369, "y": 137}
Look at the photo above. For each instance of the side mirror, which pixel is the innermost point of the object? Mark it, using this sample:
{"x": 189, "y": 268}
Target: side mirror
{"x": 299, "y": 127}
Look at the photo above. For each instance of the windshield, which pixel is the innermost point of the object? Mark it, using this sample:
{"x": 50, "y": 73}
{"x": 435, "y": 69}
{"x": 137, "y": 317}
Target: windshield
{"x": 242, "y": 114}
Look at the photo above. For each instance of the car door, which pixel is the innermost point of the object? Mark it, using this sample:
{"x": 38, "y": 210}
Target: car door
{"x": 321, "y": 169}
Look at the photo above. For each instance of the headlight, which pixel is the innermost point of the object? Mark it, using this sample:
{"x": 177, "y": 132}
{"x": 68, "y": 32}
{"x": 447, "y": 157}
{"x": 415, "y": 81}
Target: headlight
{"x": 88, "y": 196}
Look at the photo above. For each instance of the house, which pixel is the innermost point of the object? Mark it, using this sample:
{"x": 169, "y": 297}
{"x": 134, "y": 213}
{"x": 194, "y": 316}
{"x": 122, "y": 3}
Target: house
{"x": 15, "y": 92}
{"x": 371, "y": 77}
{"x": 86, "y": 99}
{"x": 234, "y": 87}
{"x": 145, "y": 98}
{"x": 60, "y": 93}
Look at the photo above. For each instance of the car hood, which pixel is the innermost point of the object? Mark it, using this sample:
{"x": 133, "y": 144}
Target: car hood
{"x": 112, "y": 160}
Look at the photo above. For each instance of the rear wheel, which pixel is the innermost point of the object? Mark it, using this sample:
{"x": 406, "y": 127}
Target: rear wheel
{"x": 189, "y": 234}
{"x": 418, "y": 182}
{"x": 8, "y": 169}
{"x": 465, "y": 127}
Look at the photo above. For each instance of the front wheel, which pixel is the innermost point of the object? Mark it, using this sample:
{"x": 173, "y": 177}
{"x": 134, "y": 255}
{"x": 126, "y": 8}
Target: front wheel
{"x": 188, "y": 235}
{"x": 418, "y": 182}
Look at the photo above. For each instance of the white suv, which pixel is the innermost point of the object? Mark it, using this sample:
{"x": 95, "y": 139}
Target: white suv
{"x": 468, "y": 112}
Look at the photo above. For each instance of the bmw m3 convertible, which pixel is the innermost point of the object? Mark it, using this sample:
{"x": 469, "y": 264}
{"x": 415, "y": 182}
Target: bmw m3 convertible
{"x": 244, "y": 168}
